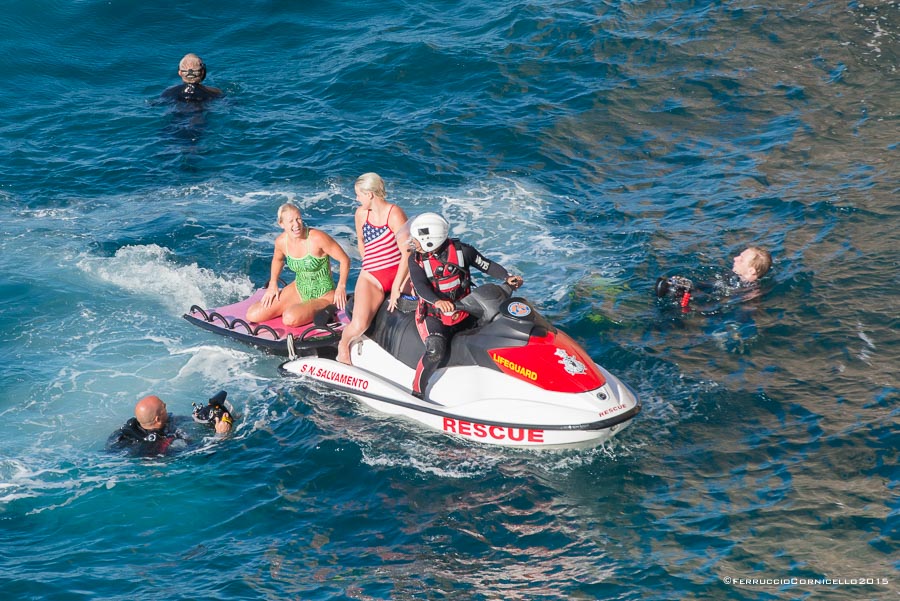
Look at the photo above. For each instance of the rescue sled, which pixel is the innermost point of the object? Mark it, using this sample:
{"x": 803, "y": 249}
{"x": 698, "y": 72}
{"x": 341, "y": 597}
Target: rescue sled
{"x": 272, "y": 335}
{"x": 514, "y": 380}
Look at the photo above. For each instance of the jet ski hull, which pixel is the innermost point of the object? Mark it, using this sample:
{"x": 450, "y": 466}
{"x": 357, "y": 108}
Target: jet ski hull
{"x": 480, "y": 406}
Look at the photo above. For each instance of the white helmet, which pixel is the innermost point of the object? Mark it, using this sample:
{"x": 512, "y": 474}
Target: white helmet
{"x": 430, "y": 230}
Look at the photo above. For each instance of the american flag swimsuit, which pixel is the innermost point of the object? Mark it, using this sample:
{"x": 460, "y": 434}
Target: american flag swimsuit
{"x": 381, "y": 254}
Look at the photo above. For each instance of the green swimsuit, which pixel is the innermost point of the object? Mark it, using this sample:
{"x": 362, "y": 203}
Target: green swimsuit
{"x": 313, "y": 273}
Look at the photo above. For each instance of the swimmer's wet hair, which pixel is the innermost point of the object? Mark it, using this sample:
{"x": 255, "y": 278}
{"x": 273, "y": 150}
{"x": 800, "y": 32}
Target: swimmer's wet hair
{"x": 761, "y": 261}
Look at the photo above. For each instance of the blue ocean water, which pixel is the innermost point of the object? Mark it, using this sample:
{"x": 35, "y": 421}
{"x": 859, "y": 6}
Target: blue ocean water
{"x": 590, "y": 147}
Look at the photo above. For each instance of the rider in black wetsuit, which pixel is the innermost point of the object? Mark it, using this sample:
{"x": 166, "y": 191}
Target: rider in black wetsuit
{"x": 152, "y": 432}
{"x": 439, "y": 271}
{"x": 192, "y": 71}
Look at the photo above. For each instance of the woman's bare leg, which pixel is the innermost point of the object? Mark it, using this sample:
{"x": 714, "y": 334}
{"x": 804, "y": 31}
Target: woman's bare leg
{"x": 288, "y": 296}
{"x": 299, "y": 314}
{"x": 367, "y": 297}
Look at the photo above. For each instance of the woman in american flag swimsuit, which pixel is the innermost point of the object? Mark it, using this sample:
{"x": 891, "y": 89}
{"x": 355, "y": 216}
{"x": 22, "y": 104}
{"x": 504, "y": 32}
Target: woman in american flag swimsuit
{"x": 384, "y": 269}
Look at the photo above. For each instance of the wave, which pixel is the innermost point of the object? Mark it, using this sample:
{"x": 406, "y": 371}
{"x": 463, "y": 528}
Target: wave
{"x": 149, "y": 270}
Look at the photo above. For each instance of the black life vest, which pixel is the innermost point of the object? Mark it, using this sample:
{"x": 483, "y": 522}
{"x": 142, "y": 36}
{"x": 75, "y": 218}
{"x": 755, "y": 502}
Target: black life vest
{"x": 450, "y": 279}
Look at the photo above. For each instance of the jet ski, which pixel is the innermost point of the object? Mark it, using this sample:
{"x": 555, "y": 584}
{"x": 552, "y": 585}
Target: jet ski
{"x": 513, "y": 380}
{"x": 272, "y": 335}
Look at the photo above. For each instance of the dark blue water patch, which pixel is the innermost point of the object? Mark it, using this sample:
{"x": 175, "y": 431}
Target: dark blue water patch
{"x": 792, "y": 92}
{"x": 886, "y": 396}
{"x": 167, "y": 230}
{"x": 15, "y": 292}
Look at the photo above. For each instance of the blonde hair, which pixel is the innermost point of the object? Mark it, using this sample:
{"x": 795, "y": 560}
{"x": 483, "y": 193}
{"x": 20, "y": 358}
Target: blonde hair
{"x": 288, "y": 206}
{"x": 371, "y": 182}
{"x": 761, "y": 261}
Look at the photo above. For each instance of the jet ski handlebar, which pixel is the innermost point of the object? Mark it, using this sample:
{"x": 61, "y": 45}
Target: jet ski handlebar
{"x": 485, "y": 300}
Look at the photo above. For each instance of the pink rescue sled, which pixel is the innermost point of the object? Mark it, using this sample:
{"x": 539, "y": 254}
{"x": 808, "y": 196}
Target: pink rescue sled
{"x": 273, "y": 336}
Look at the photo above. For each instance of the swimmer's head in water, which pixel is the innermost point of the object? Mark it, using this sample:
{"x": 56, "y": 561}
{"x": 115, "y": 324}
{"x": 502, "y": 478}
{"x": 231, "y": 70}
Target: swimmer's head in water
{"x": 752, "y": 264}
{"x": 151, "y": 413}
{"x": 192, "y": 69}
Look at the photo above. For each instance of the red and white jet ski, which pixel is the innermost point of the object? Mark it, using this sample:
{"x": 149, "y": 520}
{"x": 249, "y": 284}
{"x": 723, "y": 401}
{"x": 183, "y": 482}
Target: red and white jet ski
{"x": 514, "y": 380}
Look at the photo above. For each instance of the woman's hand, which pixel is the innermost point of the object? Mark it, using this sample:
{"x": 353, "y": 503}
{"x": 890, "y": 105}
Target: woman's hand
{"x": 395, "y": 297}
{"x": 340, "y": 296}
{"x": 270, "y": 296}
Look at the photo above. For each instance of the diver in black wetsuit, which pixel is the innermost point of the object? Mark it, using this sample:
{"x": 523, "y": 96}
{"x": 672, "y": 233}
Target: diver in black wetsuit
{"x": 192, "y": 71}
{"x": 725, "y": 297}
{"x": 748, "y": 267}
{"x": 152, "y": 432}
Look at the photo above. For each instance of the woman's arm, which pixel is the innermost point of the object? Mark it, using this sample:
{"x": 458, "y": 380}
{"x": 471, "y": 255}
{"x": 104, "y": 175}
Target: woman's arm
{"x": 359, "y": 218}
{"x": 272, "y": 291}
{"x": 333, "y": 249}
{"x": 396, "y": 220}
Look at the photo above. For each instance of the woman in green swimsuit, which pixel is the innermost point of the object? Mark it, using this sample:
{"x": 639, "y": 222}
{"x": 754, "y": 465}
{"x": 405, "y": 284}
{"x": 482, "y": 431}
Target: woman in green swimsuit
{"x": 308, "y": 253}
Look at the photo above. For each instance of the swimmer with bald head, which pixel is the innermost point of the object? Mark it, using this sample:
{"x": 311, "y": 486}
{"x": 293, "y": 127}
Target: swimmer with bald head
{"x": 151, "y": 432}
